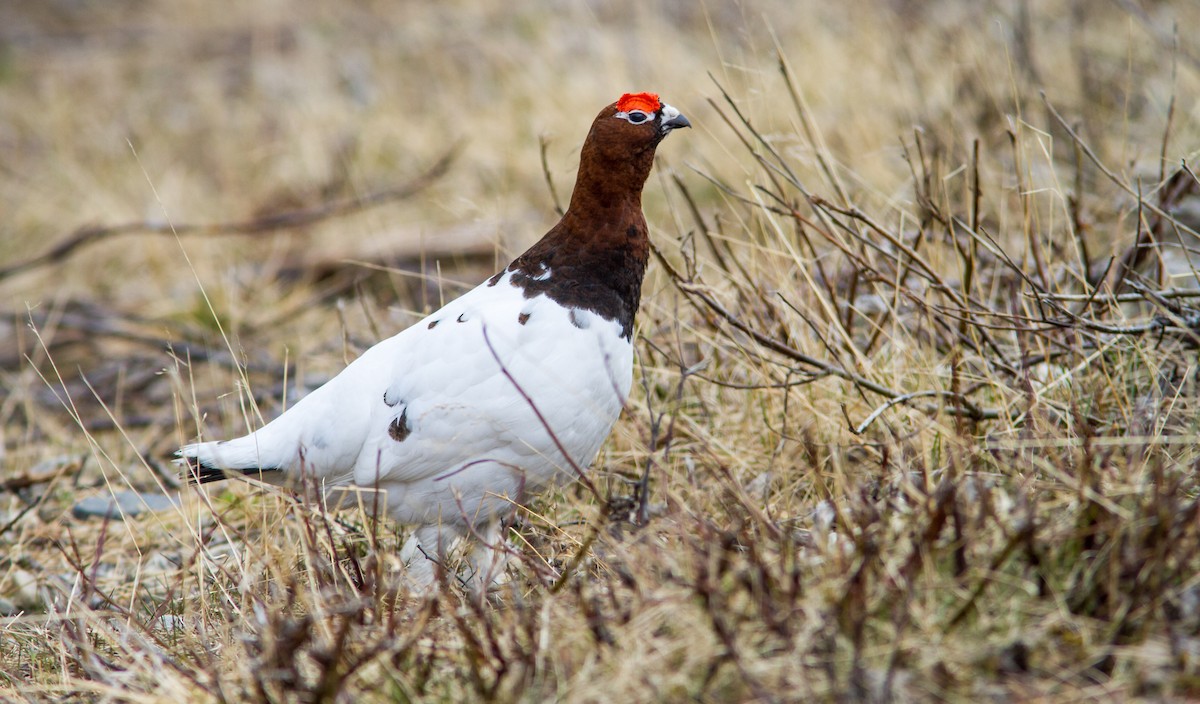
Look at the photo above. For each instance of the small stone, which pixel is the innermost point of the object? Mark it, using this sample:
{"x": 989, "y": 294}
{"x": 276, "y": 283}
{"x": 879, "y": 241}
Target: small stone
{"x": 759, "y": 487}
{"x": 171, "y": 623}
{"x": 159, "y": 563}
{"x": 871, "y": 305}
{"x": 123, "y": 503}
{"x": 823, "y": 517}
{"x": 21, "y": 588}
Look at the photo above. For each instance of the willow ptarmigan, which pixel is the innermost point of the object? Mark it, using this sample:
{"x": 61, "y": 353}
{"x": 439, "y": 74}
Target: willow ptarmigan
{"x": 464, "y": 413}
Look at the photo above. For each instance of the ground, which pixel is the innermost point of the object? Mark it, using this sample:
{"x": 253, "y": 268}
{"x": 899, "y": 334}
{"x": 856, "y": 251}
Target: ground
{"x": 915, "y": 403}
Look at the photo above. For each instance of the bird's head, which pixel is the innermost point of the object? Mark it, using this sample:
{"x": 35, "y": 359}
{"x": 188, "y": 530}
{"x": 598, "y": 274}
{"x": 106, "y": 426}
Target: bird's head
{"x": 651, "y": 118}
{"x": 625, "y": 133}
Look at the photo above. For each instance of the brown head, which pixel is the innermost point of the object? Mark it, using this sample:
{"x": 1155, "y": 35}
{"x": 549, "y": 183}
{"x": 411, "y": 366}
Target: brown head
{"x": 595, "y": 257}
{"x": 619, "y": 150}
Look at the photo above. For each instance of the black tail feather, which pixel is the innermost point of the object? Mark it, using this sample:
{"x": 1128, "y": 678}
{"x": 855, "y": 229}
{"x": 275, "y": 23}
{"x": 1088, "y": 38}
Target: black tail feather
{"x": 200, "y": 472}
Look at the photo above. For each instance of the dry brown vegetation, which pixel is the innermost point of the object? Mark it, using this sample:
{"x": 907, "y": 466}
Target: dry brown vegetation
{"x": 916, "y": 404}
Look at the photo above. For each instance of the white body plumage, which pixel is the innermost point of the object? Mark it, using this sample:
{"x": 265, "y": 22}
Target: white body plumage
{"x": 455, "y": 417}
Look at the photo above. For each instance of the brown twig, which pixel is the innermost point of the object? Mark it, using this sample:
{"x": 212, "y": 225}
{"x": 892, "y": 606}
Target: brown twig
{"x": 543, "y": 144}
{"x": 696, "y": 293}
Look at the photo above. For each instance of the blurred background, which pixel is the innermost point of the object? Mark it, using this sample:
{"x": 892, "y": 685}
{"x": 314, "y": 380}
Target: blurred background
{"x": 136, "y": 110}
{"x": 253, "y": 131}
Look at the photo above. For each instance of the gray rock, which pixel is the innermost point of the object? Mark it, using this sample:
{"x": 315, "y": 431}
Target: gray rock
{"x": 22, "y": 591}
{"x": 171, "y": 623}
{"x": 123, "y": 503}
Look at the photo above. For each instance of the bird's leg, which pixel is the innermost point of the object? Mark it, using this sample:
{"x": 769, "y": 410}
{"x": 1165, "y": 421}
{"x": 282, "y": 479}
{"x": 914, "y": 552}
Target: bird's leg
{"x": 425, "y": 552}
{"x": 488, "y": 558}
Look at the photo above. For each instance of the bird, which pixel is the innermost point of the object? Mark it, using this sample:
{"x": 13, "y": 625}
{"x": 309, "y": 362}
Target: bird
{"x": 510, "y": 388}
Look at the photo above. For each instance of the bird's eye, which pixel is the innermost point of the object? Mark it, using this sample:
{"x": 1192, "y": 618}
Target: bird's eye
{"x": 637, "y": 117}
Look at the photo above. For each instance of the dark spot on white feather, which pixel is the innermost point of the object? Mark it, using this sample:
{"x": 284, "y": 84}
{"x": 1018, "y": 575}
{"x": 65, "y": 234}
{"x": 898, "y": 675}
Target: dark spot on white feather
{"x": 433, "y": 324}
{"x": 399, "y": 430}
{"x": 496, "y": 279}
{"x": 578, "y": 320}
{"x": 462, "y": 317}
{"x": 523, "y": 318}
{"x": 391, "y": 402}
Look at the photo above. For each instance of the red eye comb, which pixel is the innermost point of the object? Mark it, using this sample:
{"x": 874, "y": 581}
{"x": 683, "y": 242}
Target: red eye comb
{"x": 646, "y": 102}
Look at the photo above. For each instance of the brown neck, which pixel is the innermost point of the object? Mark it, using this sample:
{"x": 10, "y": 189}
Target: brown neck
{"x": 597, "y": 253}
{"x": 607, "y": 183}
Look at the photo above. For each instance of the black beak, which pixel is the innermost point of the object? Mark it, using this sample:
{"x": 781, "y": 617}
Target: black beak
{"x": 671, "y": 119}
{"x": 676, "y": 122}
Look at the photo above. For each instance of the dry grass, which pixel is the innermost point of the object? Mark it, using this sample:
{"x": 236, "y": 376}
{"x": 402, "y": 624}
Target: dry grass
{"x": 894, "y": 437}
